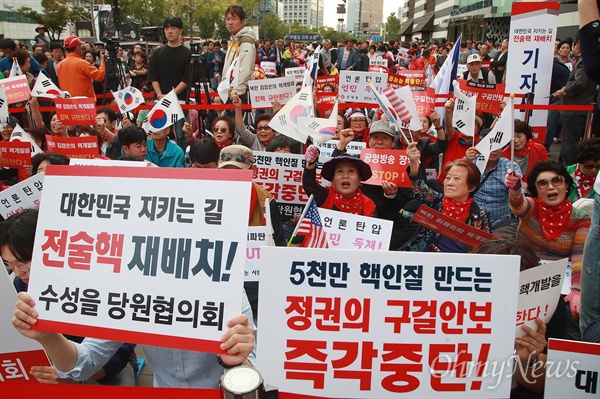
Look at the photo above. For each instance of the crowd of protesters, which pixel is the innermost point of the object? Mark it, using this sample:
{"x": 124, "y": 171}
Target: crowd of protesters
{"x": 544, "y": 206}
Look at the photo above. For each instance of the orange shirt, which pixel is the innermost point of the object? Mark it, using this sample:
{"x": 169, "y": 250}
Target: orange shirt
{"x": 75, "y": 75}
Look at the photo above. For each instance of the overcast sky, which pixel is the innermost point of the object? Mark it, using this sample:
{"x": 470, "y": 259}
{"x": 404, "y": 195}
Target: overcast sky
{"x": 330, "y": 8}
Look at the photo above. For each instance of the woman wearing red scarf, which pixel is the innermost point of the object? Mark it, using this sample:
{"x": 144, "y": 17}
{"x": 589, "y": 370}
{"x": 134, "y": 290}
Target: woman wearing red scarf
{"x": 345, "y": 174}
{"x": 460, "y": 184}
{"x": 223, "y": 130}
{"x": 548, "y": 221}
{"x": 527, "y": 151}
{"x": 586, "y": 169}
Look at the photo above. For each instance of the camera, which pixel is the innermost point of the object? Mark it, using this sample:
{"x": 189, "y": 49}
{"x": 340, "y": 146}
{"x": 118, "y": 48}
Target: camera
{"x": 111, "y": 46}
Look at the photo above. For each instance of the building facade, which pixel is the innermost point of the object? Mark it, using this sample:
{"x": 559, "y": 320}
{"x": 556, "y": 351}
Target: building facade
{"x": 14, "y": 25}
{"x": 307, "y": 13}
{"x": 477, "y": 20}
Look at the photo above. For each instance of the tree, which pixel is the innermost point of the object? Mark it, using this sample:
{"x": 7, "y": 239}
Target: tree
{"x": 392, "y": 27}
{"x": 55, "y": 15}
{"x": 145, "y": 12}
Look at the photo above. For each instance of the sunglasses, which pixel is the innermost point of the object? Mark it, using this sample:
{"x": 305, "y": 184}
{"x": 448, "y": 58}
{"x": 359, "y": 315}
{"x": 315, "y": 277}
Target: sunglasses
{"x": 227, "y": 156}
{"x": 223, "y": 129}
{"x": 557, "y": 180}
{"x": 265, "y": 127}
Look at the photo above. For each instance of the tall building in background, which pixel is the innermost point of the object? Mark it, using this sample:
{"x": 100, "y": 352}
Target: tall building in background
{"x": 477, "y": 20}
{"x": 371, "y": 17}
{"x": 307, "y": 13}
{"x": 353, "y": 16}
{"x": 14, "y": 25}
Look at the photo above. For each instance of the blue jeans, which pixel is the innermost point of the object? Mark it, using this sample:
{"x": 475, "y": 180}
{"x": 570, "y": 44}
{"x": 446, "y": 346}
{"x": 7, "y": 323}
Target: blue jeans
{"x": 589, "y": 312}
{"x": 179, "y": 134}
{"x": 552, "y": 126}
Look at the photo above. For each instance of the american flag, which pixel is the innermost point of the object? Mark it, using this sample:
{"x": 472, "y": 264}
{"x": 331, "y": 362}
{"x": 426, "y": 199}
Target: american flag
{"x": 311, "y": 229}
{"x": 397, "y": 105}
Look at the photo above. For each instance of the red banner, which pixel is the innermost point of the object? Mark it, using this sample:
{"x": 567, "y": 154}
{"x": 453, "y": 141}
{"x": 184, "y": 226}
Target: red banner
{"x": 17, "y": 89}
{"x": 16, "y": 366}
{"x": 325, "y": 97}
{"x": 323, "y": 81}
{"x": 489, "y": 96}
{"x": 395, "y": 81}
{"x": 449, "y": 227}
{"x": 378, "y": 68}
{"x": 76, "y": 111}
{"x": 414, "y": 78}
{"x": 424, "y": 100}
{"x": 258, "y": 72}
{"x": 387, "y": 165}
{"x": 74, "y": 147}
{"x": 15, "y": 154}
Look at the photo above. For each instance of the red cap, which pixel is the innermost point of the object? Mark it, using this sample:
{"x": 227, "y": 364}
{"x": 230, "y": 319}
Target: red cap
{"x": 73, "y": 41}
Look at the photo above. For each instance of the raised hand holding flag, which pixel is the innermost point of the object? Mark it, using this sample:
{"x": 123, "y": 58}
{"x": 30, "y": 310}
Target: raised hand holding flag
{"x": 165, "y": 113}
{"x": 463, "y": 117}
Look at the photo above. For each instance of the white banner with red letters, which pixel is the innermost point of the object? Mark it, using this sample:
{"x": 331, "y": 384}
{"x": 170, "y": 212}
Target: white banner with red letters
{"x": 23, "y": 195}
{"x": 354, "y": 86}
{"x": 358, "y": 324}
{"x": 122, "y": 253}
{"x": 297, "y": 73}
{"x": 573, "y": 370}
{"x": 539, "y": 293}
{"x": 529, "y": 64}
{"x": 17, "y": 353}
{"x": 348, "y": 231}
{"x": 257, "y": 238}
{"x": 281, "y": 175}
{"x": 353, "y": 148}
{"x": 264, "y": 92}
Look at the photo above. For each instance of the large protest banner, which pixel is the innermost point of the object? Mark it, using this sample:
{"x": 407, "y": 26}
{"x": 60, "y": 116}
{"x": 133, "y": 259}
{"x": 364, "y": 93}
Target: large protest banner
{"x": 17, "y": 353}
{"x": 354, "y": 86}
{"x": 529, "y": 64}
{"x": 85, "y": 147}
{"x": 573, "y": 370}
{"x": 147, "y": 255}
{"x": 264, "y": 92}
{"x": 358, "y": 324}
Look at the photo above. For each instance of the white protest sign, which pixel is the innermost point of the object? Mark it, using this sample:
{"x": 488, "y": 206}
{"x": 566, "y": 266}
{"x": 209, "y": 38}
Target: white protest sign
{"x": 572, "y": 370}
{"x": 257, "y": 238}
{"x": 281, "y": 175}
{"x": 378, "y": 61}
{"x": 297, "y": 73}
{"x": 106, "y": 162}
{"x": 265, "y": 91}
{"x": 530, "y": 59}
{"x": 23, "y": 195}
{"x": 461, "y": 69}
{"x": 539, "y": 293}
{"x": 358, "y": 324}
{"x": 348, "y": 231}
{"x": 566, "y": 285}
{"x": 353, "y": 148}
{"x": 17, "y": 353}
{"x": 120, "y": 257}
{"x": 354, "y": 86}
{"x": 269, "y": 67}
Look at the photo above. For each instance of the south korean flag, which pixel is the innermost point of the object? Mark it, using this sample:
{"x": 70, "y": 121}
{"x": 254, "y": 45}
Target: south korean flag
{"x": 165, "y": 113}
{"x": 463, "y": 117}
{"x": 44, "y": 87}
{"x": 128, "y": 99}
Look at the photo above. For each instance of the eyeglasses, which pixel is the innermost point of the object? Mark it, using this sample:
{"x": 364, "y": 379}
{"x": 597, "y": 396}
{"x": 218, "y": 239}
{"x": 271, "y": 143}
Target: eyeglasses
{"x": 227, "y": 156}
{"x": 557, "y": 180}
{"x": 223, "y": 129}
{"x": 265, "y": 127}
{"x": 22, "y": 266}
{"x": 591, "y": 166}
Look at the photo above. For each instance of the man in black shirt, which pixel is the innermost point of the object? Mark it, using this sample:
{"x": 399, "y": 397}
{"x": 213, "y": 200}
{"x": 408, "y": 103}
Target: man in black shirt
{"x": 169, "y": 68}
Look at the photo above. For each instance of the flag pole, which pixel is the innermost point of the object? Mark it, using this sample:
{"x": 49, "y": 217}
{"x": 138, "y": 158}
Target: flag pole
{"x": 310, "y": 199}
{"x": 512, "y": 140}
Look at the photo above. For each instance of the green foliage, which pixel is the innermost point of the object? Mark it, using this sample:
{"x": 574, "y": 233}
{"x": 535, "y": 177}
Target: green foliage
{"x": 392, "y": 27}
{"x": 145, "y": 12}
{"x": 55, "y": 15}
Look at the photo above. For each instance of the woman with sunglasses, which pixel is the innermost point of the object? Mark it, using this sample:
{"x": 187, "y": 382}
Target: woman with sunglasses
{"x": 358, "y": 123}
{"x": 548, "y": 222}
{"x": 586, "y": 169}
{"x": 264, "y": 134}
{"x": 223, "y": 130}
